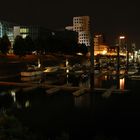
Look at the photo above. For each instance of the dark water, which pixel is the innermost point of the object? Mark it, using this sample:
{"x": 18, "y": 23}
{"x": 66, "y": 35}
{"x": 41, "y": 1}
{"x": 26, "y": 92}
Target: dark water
{"x": 90, "y": 116}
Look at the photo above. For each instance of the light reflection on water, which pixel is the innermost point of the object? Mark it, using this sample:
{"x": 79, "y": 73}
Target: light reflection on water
{"x": 82, "y": 101}
{"x": 122, "y": 84}
{"x": 13, "y": 94}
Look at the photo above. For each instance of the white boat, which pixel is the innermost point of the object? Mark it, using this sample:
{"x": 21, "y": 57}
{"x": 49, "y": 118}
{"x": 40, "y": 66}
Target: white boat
{"x": 135, "y": 77}
{"x": 132, "y": 71}
{"x": 31, "y": 73}
{"x": 51, "y": 69}
{"x": 32, "y": 70}
{"x": 79, "y": 71}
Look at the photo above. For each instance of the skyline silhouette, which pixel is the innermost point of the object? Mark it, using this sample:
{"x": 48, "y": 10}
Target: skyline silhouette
{"x": 111, "y": 18}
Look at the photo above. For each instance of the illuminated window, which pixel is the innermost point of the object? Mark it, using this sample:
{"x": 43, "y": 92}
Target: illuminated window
{"x": 24, "y": 35}
{"x": 24, "y": 30}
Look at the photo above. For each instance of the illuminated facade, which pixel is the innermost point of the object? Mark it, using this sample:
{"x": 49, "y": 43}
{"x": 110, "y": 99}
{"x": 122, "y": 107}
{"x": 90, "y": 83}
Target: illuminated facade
{"x": 81, "y": 25}
{"x": 23, "y": 31}
{"x": 34, "y": 32}
{"x": 7, "y": 28}
{"x": 99, "y": 47}
{"x": 122, "y": 44}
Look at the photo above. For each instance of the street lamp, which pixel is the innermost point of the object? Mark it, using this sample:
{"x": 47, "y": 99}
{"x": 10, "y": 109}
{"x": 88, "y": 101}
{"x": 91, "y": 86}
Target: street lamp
{"x": 120, "y": 44}
{"x": 127, "y": 52}
{"x": 118, "y": 59}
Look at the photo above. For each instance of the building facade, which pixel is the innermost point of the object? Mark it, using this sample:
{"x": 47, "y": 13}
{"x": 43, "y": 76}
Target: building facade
{"x": 122, "y": 44}
{"x": 82, "y": 26}
{"x": 34, "y": 32}
{"x": 99, "y": 45}
{"x": 7, "y": 28}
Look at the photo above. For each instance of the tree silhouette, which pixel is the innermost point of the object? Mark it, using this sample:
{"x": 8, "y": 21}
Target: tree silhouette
{"x": 19, "y": 46}
{"x": 5, "y": 44}
{"x": 30, "y": 46}
{"x": 40, "y": 45}
{"x": 82, "y": 48}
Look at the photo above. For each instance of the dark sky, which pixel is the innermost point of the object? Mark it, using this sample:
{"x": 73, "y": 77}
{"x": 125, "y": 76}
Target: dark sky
{"x": 108, "y": 16}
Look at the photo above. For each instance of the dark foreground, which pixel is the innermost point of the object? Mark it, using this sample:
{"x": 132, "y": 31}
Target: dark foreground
{"x": 62, "y": 116}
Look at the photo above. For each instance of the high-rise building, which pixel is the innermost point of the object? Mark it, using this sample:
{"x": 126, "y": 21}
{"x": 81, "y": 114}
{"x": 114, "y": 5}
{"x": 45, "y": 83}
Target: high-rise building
{"x": 81, "y": 25}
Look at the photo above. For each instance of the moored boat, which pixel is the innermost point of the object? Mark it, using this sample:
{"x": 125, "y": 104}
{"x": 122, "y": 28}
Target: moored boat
{"x": 31, "y": 73}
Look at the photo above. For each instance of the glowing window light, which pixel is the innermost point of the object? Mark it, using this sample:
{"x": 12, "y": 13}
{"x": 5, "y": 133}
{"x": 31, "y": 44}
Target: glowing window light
{"x": 24, "y": 35}
{"x": 122, "y": 37}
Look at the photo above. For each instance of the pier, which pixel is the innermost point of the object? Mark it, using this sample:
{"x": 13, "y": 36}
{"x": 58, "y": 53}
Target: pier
{"x": 53, "y": 89}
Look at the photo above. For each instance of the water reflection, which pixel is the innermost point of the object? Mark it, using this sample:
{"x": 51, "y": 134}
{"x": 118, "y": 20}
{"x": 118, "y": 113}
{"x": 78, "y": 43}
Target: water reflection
{"x": 122, "y": 84}
{"x": 27, "y": 104}
{"x": 105, "y": 82}
{"x": 105, "y": 77}
{"x": 13, "y": 94}
{"x": 82, "y": 101}
{"x": 98, "y": 81}
{"x": 85, "y": 83}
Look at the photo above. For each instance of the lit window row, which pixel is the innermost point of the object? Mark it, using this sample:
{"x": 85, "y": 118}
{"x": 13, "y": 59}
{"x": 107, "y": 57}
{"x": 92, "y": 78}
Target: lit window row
{"x": 24, "y": 30}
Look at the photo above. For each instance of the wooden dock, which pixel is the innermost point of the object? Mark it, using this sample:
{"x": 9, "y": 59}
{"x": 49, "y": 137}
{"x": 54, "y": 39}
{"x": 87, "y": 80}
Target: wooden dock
{"x": 53, "y": 89}
{"x": 108, "y": 92}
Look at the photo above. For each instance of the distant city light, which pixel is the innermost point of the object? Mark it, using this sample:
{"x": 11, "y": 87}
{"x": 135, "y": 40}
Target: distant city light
{"x": 67, "y": 63}
{"x": 122, "y": 37}
{"x": 104, "y": 52}
{"x": 67, "y": 71}
{"x": 79, "y": 54}
{"x": 13, "y": 95}
{"x": 27, "y": 103}
{"x": 39, "y": 64}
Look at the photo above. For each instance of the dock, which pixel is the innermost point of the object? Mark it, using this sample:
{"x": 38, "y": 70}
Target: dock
{"x": 53, "y": 89}
{"x": 108, "y": 92}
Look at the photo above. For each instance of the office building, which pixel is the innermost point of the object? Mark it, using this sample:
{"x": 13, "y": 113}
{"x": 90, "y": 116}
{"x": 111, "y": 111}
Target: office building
{"x": 99, "y": 45}
{"x": 34, "y": 32}
{"x": 122, "y": 44}
{"x": 81, "y": 25}
{"x": 7, "y": 28}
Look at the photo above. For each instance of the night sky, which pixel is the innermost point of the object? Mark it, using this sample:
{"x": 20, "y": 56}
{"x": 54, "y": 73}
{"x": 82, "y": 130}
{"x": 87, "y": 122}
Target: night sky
{"x": 108, "y": 16}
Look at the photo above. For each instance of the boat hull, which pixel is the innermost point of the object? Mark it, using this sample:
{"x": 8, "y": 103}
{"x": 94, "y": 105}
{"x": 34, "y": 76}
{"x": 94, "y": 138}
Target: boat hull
{"x": 33, "y": 73}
